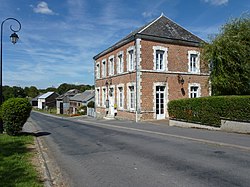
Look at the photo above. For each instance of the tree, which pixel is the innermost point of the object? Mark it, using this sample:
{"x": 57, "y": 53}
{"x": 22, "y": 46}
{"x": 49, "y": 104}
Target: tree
{"x": 229, "y": 57}
{"x": 32, "y": 92}
{"x": 65, "y": 87}
{"x": 18, "y": 92}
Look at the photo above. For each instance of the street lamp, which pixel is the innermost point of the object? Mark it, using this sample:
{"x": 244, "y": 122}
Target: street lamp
{"x": 14, "y": 37}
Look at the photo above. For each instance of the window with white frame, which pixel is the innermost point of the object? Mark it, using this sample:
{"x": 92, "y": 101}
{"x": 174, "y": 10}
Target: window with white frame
{"x": 131, "y": 59}
{"x": 193, "y": 61}
{"x": 111, "y": 65}
{"x": 120, "y": 97}
{"x": 131, "y": 97}
{"x": 104, "y": 68}
{"x": 104, "y": 96}
{"x": 194, "y": 90}
{"x": 97, "y": 70}
{"x": 98, "y": 97}
{"x": 160, "y": 58}
{"x": 120, "y": 62}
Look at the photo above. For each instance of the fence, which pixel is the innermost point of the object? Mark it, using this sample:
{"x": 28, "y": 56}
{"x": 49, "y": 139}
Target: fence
{"x": 91, "y": 112}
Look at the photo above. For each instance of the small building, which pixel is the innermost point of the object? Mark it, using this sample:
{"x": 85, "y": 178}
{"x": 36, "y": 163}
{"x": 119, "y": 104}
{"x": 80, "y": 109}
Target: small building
{"x": 47, "y": 100}
{"x": 81, "y": 99}
{"x": 62, "y": 101}
{"x": 34, "y": 101}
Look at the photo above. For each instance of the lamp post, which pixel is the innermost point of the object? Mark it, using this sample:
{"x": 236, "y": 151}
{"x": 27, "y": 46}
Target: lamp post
{"x": 14, "y": 37}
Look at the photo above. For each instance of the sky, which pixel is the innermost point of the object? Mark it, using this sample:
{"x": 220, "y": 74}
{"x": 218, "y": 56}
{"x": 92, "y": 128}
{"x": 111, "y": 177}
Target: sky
{"x": 59, "y": 38}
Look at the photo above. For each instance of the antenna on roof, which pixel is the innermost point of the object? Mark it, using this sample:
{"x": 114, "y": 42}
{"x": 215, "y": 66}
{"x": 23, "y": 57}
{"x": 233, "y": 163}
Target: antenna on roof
{"x": 162, "y": 14}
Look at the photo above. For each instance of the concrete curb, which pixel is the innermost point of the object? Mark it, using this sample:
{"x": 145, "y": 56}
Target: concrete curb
{"x": 47, "y": 176}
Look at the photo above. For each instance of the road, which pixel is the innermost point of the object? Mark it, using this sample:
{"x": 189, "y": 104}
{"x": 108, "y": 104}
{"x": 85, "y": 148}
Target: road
{"x": 93, "y": 154}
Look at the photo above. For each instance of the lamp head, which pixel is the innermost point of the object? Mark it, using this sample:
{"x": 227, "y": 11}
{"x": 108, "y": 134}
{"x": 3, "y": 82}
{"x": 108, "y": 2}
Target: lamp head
{"x": 14, "y": 38}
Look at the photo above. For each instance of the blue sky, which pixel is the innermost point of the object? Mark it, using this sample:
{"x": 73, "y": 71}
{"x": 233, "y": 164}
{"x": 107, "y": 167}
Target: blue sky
{"x": 59, "y": 38}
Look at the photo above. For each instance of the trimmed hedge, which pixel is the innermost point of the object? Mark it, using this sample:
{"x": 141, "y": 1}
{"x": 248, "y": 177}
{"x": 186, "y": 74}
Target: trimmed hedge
{"x": 91, "y": 104}
{"x": 209, "y": 110}
{"x": 14, "y": 113}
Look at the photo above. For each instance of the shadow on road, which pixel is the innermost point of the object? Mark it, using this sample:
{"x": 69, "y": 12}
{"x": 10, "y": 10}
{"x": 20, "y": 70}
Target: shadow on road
{"x": 36, "y": 134}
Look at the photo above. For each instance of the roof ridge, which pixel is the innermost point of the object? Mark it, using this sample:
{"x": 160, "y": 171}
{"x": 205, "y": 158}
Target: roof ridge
{"x": 151, "y": 23}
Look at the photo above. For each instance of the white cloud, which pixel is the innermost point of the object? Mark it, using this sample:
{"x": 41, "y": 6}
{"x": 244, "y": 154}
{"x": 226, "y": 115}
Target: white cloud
{"x": 43, "y": 8}
{"x": 216, "y": 2}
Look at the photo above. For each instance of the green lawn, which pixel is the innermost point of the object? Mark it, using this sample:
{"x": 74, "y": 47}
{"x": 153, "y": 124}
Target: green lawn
{"x": 16, "y": 168}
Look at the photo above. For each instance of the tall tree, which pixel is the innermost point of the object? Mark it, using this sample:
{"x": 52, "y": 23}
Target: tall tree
{"x": 229, "y": 55}
{"x": 32, "y": 92}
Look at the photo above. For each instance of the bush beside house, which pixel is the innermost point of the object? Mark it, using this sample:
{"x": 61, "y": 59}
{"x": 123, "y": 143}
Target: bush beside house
{"x": 14, "y": 113}
{"x": 210, "y": 110}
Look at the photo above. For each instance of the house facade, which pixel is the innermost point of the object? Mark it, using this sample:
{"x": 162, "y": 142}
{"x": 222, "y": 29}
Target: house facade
{"x": 81, "y": 99}
{"x": 62, "y": 101}
{"x": 137, "y": 77}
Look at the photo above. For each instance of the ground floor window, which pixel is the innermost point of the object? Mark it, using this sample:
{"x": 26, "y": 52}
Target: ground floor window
{"x": 120, "y": 97}
{"x": 194, "y": 90}
{"x": 131, "y": 97}
{"x": 104, "y": 96}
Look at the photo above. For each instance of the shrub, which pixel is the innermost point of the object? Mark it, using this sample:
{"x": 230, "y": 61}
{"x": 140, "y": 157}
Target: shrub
{"x": 82, "y": 110}
{"x": 91, "y": 104}
{"x": 209, "y": 110}
{"x": 14, "y": 113}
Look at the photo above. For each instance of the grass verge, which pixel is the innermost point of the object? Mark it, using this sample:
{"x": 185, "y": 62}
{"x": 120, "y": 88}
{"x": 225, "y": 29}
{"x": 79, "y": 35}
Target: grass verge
{"x": 50, "y": 111}
{"x": 16, "y": 168}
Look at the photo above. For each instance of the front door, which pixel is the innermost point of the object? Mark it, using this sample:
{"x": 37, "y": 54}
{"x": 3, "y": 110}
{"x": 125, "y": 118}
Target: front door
{"x": 160, "y": 102}
{"x": 61, "y": 108}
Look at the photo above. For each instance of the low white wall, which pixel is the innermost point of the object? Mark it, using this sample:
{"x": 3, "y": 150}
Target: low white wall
{"x": 235, "y": 126}
{"x": 190, "y": 125}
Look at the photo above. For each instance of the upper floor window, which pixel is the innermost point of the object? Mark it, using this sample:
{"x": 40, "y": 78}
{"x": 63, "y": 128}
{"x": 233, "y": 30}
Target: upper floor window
{"x": 194, "y": 90}
{"x": 111, "y": 65}
{"x": 160, "y": 58}
{"x": 159, "y": 64}
{"x": 98, "y": 70}
{"x": 104, "y": 68}
{"x": 120, "y": 62}
{"x": 193, "y": 62}
{"x": 131, "y": 59}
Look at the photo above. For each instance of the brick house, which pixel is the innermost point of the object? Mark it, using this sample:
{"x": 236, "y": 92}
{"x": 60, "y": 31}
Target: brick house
{"x": 136, "y": 77}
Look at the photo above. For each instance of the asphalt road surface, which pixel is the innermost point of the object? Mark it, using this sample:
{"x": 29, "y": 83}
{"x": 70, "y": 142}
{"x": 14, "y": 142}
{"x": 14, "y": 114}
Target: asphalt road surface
{"x": 98, "y": 155}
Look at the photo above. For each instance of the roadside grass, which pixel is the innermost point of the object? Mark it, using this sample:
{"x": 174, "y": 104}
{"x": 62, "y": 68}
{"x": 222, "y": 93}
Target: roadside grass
{"x": 52, "y": 111}
{"x": 16, "y": 168}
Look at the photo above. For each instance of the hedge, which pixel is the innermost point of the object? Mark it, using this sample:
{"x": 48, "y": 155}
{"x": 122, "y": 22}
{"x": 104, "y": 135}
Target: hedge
{"x": 91, "y": 104}
{"x": 14, "y": 113}
{"x": 210, "y": 110}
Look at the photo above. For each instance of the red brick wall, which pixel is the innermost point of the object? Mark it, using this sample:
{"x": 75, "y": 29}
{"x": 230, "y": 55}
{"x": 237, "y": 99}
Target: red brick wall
{"x": 177, "y": 63}
{"x": 177, "y": 56}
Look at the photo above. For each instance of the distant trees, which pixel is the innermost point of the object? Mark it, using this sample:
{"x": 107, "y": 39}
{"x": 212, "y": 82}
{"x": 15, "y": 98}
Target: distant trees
{"x": 229, "y": 55}
{"x": 13, "y": 92}
{"x": 32, "y": 91}
{"x": 66, "y": 87}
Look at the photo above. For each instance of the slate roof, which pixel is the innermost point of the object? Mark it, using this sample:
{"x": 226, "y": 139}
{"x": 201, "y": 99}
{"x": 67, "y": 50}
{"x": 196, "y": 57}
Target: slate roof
{"x": 44, "y": 96}
{"x": 69, "y": 93}
{"x": 85, "y": 96}
{"x": 162, "y": 28}
{"x": 35, "y": 98}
